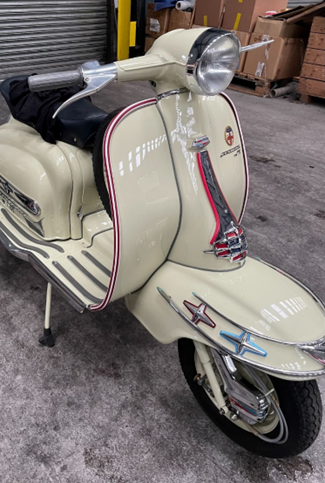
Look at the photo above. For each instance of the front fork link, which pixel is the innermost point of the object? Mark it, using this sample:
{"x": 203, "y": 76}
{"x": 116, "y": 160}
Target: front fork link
{"x": 204, "y": 357}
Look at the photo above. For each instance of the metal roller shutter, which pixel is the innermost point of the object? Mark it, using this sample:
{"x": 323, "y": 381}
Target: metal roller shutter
{"x": 296, "y": 3}
{"x": 43, "y": 36}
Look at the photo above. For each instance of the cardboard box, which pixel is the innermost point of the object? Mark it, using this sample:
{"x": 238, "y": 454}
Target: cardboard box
{"x": 280, "y": 28}
{"x": 280, "y": 60}
{"x": 318, "y": 25}
{"x": 157, "y": 22}
{"x": 244, "y": 38}
{"x": 148, "y": 43}
{"x": 243, "y": 14}
{"x": 180, "y": 20}
{"x": 209, "y": 12}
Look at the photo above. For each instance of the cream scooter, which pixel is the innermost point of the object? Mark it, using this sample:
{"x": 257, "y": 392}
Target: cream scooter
{"x": 159, "y": 223}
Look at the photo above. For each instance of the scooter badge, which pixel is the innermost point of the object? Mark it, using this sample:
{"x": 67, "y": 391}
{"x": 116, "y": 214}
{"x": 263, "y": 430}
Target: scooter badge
{"x": 243, "y": 343}
{"x": 229, "y": 136}
{"x": 199, "y": 314}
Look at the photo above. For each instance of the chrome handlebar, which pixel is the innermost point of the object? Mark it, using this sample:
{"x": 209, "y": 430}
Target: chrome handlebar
{"x": 91, "y": 75}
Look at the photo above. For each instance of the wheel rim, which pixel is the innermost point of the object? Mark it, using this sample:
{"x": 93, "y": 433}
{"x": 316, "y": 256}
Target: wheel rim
{"x": 271, "y": 421}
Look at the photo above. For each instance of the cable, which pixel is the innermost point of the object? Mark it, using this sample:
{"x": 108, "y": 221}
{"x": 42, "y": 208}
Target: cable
{"x": 283, "y": 423}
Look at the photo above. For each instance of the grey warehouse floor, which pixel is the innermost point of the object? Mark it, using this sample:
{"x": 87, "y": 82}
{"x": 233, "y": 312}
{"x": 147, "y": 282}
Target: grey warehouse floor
{"x": 108, "y": 403}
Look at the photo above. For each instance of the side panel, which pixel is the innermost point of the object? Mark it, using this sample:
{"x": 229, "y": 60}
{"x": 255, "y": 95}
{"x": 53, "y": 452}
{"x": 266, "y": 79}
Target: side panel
{"x": 84, "y": 198}
{"x": 144, "y": 196}
{"x": 39, "y": 171}
{"x": 187, "y": 117}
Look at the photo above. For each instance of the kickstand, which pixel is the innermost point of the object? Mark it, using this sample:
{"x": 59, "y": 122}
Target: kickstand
{"x": 47, "y": 338}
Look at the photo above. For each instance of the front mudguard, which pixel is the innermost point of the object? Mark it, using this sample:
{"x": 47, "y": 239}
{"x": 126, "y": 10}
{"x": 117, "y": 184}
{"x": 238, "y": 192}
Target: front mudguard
{"x": 261, "y": 315}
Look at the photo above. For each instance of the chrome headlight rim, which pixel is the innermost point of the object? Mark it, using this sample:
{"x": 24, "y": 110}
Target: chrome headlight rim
{"x": 200, "y": 47}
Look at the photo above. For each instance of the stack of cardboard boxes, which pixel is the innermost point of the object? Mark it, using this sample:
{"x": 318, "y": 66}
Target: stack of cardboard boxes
{"x": 162, "y": 21}
{"x": 247, "y": 18}
{"x": 281, "y": 59}
{"x": 312, "y": 79}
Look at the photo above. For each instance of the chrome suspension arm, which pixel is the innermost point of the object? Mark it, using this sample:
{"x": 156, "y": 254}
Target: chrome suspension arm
{"x": 204, "y": 357}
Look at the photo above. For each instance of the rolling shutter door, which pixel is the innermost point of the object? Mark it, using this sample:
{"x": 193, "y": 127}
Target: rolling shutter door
{"x": 43, "y": 36}
{"x": 303, "y": 3}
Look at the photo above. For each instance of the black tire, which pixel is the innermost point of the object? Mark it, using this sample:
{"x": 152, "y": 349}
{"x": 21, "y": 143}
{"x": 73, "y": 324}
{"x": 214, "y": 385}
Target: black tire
{"x": 98, "y": 163}
{"x": 300, "y": 403}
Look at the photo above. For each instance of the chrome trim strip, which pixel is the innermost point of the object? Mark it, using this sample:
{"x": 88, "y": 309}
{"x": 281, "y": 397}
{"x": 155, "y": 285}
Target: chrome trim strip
{"x": 311, "y": 293}
{"x": 76, "y": 284}
{"x": 24, "y": 201}
{"x": 27, "y": 236}
{"x": 173, "y": 92}
{"x": 16, "y": 252}
{"x": 21, "y": 244}
{"x": 87, "y": 273}
{"x": 96, "y": 262}
{"x": 241, "y": 327}
{"x": 70, "y": 297}
{"x": 231, "y": 269}
{"x": 213, "y": 343}
{"x": 311, "y": 344}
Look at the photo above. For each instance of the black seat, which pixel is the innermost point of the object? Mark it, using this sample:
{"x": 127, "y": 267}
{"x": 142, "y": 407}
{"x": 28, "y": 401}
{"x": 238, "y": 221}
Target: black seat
{"x": 77, "y": 124}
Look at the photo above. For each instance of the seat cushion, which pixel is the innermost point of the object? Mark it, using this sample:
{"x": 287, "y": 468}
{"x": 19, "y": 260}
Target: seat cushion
{"x": 77, "y": 124}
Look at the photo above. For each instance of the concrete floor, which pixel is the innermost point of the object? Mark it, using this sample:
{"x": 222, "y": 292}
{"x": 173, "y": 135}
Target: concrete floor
{"x": 109, "y": 403}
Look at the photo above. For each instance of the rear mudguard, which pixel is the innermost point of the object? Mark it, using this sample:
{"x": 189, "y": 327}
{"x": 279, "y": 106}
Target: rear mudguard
{"x": 257, "y": 314}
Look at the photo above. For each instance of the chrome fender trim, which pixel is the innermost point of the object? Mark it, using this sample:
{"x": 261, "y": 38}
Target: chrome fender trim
{"x": 244, "y": 313}
{"x": 219, "y": 347}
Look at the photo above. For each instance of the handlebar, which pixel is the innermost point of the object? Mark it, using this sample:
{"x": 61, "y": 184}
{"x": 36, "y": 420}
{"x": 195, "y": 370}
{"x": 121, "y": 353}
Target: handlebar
{"x": 91, "y": 76}
{"x": 56, "y": 80}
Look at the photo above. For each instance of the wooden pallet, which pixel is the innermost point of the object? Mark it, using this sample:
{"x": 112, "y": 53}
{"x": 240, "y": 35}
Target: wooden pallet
{"x": 255, "y": 85}
{"x": 250, "y": 85}
{"x": 312, "y": 78}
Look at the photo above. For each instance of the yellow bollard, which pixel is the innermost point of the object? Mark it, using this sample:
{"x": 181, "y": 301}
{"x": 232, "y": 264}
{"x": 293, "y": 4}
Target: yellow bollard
{"x": 123, "y": 29}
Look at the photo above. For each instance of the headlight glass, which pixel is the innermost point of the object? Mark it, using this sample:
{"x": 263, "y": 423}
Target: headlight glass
{"x": 216, "y": 63}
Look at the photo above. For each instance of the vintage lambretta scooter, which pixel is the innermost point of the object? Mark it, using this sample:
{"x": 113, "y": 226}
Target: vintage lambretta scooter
{"x": 150, "y": 210}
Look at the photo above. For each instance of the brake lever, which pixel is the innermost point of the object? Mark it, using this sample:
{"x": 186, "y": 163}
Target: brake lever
{"x": 96, "y": 77}
{"x": 256, "y": 46}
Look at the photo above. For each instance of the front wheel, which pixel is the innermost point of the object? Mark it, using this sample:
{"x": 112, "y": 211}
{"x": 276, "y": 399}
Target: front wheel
{"x": 300, "y": 403}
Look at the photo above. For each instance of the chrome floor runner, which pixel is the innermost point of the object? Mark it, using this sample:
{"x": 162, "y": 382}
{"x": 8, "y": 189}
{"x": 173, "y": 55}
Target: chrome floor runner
{"x": 79, "y": 269}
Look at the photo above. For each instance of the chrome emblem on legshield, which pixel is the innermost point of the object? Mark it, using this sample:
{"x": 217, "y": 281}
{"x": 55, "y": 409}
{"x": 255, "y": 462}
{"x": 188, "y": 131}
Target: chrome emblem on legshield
{"x": 229, "y": 240}
{"x": 199, "y": 314}
{"x": 229, "y": 136}
{"x": 200, "y": 142}
{"x": 243, "y": 343}
{"x": 232, "y": 245}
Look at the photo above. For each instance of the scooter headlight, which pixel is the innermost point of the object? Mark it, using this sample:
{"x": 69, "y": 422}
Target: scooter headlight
{"x": 212, "y": 62}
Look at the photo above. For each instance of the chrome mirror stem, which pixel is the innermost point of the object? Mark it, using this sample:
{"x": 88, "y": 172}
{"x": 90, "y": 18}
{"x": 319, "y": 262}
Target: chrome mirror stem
{"x": 256, "y": 46}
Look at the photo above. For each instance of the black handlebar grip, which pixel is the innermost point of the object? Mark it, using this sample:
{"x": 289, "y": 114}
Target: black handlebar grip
{"x": 44, "y": 82}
